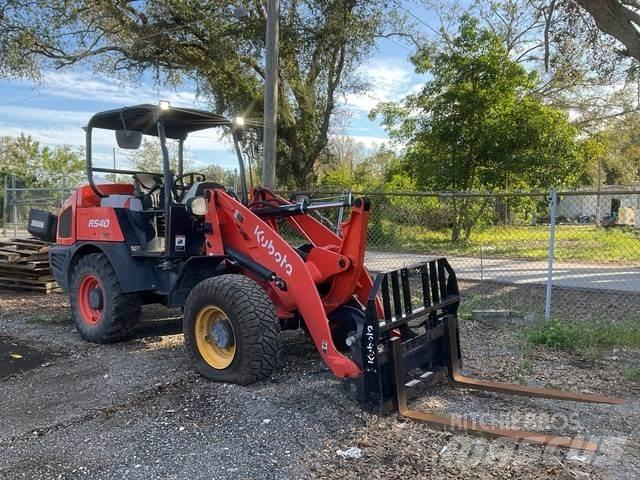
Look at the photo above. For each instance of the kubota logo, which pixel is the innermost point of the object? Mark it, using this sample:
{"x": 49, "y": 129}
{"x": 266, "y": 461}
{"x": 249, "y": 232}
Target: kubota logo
{"x": 267, "y": 244}
{"x": 99, "y": 223}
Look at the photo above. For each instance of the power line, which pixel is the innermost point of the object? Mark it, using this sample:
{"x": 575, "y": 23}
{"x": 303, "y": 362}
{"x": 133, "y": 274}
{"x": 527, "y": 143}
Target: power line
{"x": 402, "y": 7}
{"x": 398, "y": 44}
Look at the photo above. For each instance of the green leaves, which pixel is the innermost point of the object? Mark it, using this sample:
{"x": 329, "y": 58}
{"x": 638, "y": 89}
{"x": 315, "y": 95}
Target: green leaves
{"x": 477, "y": 124}
{"x": 322, "y": 45}
{"x": 30, "y": 164}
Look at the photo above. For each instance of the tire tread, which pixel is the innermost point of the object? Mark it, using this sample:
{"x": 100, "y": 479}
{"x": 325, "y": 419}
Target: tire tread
{"x": 245, "y": 300}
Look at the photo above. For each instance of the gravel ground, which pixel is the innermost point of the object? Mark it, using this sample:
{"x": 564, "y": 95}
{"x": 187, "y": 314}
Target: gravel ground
{"x": 136, "y": 410}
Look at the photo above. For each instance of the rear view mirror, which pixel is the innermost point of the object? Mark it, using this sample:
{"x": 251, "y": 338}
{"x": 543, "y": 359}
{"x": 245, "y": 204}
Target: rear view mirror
{"x": 128, "y": 139}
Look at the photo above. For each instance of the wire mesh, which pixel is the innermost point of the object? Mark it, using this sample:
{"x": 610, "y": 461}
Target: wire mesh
{"x": 19, "y": 201}
{"x": 498, "y": 244}
{"x": 596, "y": 272}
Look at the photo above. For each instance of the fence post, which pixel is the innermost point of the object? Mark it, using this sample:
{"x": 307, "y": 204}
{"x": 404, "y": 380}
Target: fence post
{"x": 552, "y": 242}
{"x": 15, "y": 205}
{"x": 5, "y": 199}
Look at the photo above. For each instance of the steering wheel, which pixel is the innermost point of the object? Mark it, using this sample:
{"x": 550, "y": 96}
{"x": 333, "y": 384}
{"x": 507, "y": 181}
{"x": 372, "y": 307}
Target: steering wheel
{"x": 180, "y": 187}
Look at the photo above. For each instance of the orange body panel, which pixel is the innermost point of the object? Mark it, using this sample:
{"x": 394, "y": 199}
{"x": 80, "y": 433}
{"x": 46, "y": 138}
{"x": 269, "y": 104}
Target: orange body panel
{"x": 99, "y": 224}
{"x": 89, "y": 221}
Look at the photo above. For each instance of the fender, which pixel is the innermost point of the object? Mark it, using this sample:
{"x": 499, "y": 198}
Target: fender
{"x": 193, "y": 271}
{"x": 134, "y": 274}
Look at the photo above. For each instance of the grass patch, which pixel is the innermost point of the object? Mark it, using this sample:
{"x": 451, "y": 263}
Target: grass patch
{"x": 468, "y": 304}
{"x": 583, "y": 336}
{"x": 526, "y": 366}
{"x": 573, "y": 242}
{"x": 632, "y": 374}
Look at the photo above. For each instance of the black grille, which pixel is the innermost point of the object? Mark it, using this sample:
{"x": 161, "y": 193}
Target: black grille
{"x": 64, "y": 225}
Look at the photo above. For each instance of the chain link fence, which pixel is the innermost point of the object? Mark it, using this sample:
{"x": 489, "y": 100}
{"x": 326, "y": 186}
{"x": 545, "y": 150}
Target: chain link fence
{"x": 510, "y": 253}
{"x": 17, "y": 201}
{"x": 500, "y": 245}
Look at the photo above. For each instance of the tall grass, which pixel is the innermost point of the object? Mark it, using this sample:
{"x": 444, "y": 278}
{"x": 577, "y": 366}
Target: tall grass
{"x": 582, "y": 335}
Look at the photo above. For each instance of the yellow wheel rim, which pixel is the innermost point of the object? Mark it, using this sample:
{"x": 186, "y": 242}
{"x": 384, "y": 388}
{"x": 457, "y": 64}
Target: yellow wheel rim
{"x": 215, "y": 337}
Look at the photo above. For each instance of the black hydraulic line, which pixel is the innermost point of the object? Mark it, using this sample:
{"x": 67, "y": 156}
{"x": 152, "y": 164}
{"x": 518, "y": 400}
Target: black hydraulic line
{"x": 281, "y": 211}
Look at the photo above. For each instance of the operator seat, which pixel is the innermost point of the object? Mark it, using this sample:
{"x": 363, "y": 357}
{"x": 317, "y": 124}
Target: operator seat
{"x": 198, "y": 189}
{"x": 143, "y": 184}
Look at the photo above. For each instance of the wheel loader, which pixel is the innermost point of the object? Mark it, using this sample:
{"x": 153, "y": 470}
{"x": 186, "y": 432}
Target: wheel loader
{"x": 178, "y": 239}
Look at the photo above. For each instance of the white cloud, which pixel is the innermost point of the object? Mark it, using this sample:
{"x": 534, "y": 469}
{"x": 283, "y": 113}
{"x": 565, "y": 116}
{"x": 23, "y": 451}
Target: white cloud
{"x": 74, "y": 85}
{"x": 389, "y": 81}
{"x": 369, "y": 141}
{"x": 47, "y": 135}
{"x": 43, "y": 115}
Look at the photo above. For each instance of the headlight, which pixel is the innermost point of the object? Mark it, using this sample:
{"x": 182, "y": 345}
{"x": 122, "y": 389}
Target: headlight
{"x": 197, "y": 206}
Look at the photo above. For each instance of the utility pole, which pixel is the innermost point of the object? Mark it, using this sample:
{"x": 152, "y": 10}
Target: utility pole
{"x": 271, "y": 95}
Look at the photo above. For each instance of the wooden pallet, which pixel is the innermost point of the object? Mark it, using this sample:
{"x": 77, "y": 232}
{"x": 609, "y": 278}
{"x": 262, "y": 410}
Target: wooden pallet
{"x": 24, "y": 265}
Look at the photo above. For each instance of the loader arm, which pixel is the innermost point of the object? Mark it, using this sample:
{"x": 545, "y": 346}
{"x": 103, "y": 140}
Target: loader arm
{"x": 259, "y": 251}
{"x": 355, "y": 280}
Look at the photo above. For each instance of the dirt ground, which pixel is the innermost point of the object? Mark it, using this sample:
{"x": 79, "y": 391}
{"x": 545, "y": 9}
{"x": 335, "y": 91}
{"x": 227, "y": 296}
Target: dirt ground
{"x": 69, "y": 409}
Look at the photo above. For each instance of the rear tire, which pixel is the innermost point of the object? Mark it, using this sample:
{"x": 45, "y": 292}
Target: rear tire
{"x": 102, "y": 313}
{"x": 231, "y": 330}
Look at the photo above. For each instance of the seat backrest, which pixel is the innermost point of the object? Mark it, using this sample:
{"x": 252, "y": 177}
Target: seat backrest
{"x": 122, "y": 201}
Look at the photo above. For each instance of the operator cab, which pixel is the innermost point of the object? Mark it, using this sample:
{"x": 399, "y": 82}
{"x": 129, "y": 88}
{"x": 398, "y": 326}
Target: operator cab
{"x": 156, "y": 200}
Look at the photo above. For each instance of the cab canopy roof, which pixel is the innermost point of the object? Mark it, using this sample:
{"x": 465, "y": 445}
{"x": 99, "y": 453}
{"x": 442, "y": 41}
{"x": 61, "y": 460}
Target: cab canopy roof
{"x": 178, "y": 122}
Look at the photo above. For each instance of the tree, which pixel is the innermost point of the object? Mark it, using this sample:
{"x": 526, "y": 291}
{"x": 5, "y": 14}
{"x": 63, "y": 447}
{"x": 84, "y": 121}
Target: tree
{"x": 477, "y": 125}
{"x": 61, "y": 166}
{"x": 578, "y": 67}
{"x": 223, "y": 176}
{"x": 148, "y": 158}
{"x": 23, "y": 161}
{"x": 618, "y": 18}
{"x": 218, "y": 45}
{"x": 619, "y": 151}
{"x": 23, "y": 158}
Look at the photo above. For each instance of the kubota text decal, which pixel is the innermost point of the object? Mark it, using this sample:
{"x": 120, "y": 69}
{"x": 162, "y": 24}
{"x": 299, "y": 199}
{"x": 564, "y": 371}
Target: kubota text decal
{"x": 267, "y": 244}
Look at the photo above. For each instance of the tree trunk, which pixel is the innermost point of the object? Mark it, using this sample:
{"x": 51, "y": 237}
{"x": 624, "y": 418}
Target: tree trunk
{"x": 620, "y": 21}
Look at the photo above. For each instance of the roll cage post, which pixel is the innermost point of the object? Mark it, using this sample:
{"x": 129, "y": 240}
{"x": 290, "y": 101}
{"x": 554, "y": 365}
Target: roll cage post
{"x": 167, "y": 182}
{"x": 181, "y": 156}
{"x": 243, "y": 180}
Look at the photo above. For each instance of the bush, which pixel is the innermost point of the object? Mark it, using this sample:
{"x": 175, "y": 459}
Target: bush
{"x": 583, "y": 336}
{"x": 554, "y": 334}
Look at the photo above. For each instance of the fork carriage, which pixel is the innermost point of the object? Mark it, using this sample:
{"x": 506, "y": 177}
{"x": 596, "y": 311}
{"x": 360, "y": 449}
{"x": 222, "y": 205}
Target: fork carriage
{"x": 405, "y": 346}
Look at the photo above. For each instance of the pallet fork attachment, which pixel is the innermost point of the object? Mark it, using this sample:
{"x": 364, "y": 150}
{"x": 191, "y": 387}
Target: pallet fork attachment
{"x": 410, "y": 340}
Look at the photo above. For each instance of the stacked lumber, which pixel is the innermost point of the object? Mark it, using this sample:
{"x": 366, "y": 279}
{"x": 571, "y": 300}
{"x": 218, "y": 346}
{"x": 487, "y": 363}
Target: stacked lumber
{"x": 24, "y": 265}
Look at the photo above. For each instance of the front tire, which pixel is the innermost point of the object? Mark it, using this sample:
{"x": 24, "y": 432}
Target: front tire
{"x": 231, "y": 330}
{"x": 102, "y": 313}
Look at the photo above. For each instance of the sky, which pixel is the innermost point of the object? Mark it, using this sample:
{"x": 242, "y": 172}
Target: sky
{"x": 54, "y": 111}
